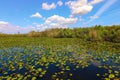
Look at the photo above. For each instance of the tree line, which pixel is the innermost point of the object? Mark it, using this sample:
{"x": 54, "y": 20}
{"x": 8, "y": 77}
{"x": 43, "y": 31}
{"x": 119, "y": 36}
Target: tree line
{"x": 95, "y": 33}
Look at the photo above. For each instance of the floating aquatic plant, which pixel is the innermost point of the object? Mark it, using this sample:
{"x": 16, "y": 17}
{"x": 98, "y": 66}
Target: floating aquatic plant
{"x": 33, "y": 63}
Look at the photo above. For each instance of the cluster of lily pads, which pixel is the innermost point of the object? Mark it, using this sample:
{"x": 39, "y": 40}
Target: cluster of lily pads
{"x": 56, "y": 63}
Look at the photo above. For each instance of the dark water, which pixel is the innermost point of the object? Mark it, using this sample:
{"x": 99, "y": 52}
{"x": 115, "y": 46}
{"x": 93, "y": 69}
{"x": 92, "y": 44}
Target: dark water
{"x": 88, "y": 73}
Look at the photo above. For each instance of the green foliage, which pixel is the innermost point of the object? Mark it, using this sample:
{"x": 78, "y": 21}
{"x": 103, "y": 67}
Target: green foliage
{"x": 65, "y": 33}
{"x": 96, "y": 33}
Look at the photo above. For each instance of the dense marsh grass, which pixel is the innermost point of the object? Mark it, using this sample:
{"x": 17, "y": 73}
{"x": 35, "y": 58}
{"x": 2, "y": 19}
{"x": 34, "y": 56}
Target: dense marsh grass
{"x": 6, "y": 42}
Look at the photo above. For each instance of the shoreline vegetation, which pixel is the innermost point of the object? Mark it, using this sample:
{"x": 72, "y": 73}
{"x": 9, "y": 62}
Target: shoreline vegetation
{"x": 95, "y": 33}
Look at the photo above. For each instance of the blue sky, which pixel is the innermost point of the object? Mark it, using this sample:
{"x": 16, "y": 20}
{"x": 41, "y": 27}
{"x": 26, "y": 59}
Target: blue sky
{"x": 26, "y": 15}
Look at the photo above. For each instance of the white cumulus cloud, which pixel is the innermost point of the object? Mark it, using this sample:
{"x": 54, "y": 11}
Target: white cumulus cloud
{"x": 36, "y": 15}
{"x": 80, "y": 7}
{"x": 57, "y": 21}
{"x": 47, "y": 6}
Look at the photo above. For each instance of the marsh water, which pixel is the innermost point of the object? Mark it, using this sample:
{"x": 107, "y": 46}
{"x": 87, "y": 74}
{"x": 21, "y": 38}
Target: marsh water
{"x": 45, "y": 64}
{"x": 88, "y": 73}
